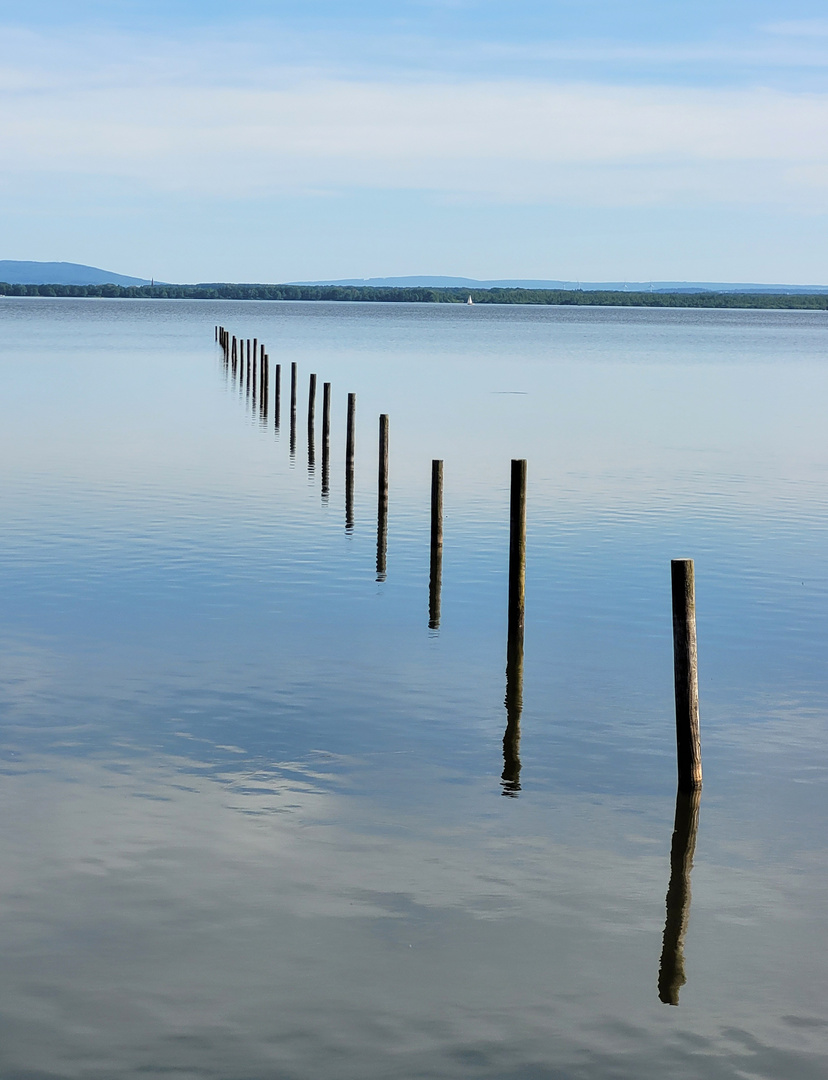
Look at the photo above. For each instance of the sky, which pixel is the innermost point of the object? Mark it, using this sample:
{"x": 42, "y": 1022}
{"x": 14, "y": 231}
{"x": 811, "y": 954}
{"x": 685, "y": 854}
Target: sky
{"x": 320, "y": 139}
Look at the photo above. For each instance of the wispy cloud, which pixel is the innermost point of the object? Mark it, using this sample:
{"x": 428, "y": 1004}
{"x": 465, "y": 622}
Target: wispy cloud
{"x": 502, "y": 140}
{"x": 799, "y": 28}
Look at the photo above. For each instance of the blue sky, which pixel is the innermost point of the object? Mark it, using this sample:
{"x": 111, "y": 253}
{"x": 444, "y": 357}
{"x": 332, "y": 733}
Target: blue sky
{"x": 261, "y": 141}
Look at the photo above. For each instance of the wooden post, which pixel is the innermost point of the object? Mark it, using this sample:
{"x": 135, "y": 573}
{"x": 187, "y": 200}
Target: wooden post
{"x": 685, "y": 668}
{"x": 326, "y": 440}
{"x": 311, "y": 425}
{"x": 277, "y": 395}
{"x": 671, "y": 975}
{"x": 254, "y": 380}
{"x": 263, "y": 381}
{"x": 217, "y": 329}
{"x": 517, "y": 554}
{"x": 350, "y": 445}
{"x": 514, "y": 647}
{"x": 248, "y": 369}
{"x": 382, "y": 498}
{"x": 435, "y": 577}
{"x": 311, "y": 400}
{"x": 293, "y": 378}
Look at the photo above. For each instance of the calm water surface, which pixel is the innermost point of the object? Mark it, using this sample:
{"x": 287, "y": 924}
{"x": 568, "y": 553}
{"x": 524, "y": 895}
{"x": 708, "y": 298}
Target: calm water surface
{"x": 255, "y": 817}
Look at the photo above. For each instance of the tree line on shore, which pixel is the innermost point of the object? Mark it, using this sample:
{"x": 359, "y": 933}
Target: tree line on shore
{"x": 369, "y": 293}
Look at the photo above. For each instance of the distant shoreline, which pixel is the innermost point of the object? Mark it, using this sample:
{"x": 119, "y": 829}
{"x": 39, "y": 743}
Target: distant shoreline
{"x": 427, "y": 295}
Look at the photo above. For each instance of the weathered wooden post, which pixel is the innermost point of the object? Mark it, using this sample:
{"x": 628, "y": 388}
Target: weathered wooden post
{"x": 517, "y": 554}
{"x": 254, "y": 380}
{"x": 671, "y": 975}
{"x": 350, "y": 444}
{"x": 382, "y": 498}
{"x": 312, "y": 400}
{"x": 326, "y": 440}
{"x": 685, "y": 668}
{"x": 265, "y": 385}
{"x": 311, "y": 425}
{"x": 263, "y": 380}
{"x": 293, "y": 378}
{"x": 277, "y": 395}
{"x": 435, "y": 576}
{"x": 514, "y": 647}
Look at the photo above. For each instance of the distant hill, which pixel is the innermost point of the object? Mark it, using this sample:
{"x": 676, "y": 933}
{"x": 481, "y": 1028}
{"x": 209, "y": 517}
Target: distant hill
{"x": 61, "y": 273}
{"x": 14, "y": 272}
{"x": 587, "y": 286}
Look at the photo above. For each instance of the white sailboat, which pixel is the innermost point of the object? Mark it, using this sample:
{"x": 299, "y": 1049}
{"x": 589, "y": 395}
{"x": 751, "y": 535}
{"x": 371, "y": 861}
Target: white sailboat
{"x": 470, "y": 301}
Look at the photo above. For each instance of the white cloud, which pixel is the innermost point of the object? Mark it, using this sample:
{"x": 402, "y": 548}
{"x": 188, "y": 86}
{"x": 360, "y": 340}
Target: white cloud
{"x": 500, "y": 140}
{"x": 799, "y": 28}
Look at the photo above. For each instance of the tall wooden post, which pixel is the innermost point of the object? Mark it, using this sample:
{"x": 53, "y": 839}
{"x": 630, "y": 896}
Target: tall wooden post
{"x": 277, "y": 396}
{"x": 382, "y": 498}
{"x": 435, "y": 577}
{"x": 517, "y": 553}
{"x": 293, "y": 378}
{"x": 311, "y": 425}
{"x": 350, "y": 444}
{"x": 685, "y": 668}
{"x": 326, "y": 440}
{"x": 311, "y": 400}
{"x": 514, "y": 647}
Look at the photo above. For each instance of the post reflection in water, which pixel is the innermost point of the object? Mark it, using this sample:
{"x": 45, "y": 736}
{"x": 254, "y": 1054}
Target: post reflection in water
{"x": 326, "y": 441}
{"x": 311, "y": 451}
{"x": 292, "y": 412}
{"x": 671, "y": 975}
{"x": 435, "y": 576}
{"x": 510, "y": 779}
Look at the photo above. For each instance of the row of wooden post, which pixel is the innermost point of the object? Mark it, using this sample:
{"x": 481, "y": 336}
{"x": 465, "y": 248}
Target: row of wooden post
{"x": 682, "y": 571}
{"x": 685, "y": 658}
{"x": 685, "y": 661}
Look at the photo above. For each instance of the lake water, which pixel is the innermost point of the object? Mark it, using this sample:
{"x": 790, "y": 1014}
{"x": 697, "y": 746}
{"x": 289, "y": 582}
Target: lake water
{"x": 255, "y": 816}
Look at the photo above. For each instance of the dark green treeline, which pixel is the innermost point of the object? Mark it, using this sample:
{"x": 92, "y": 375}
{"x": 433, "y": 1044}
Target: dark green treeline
{"x": 565, "y": 297}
